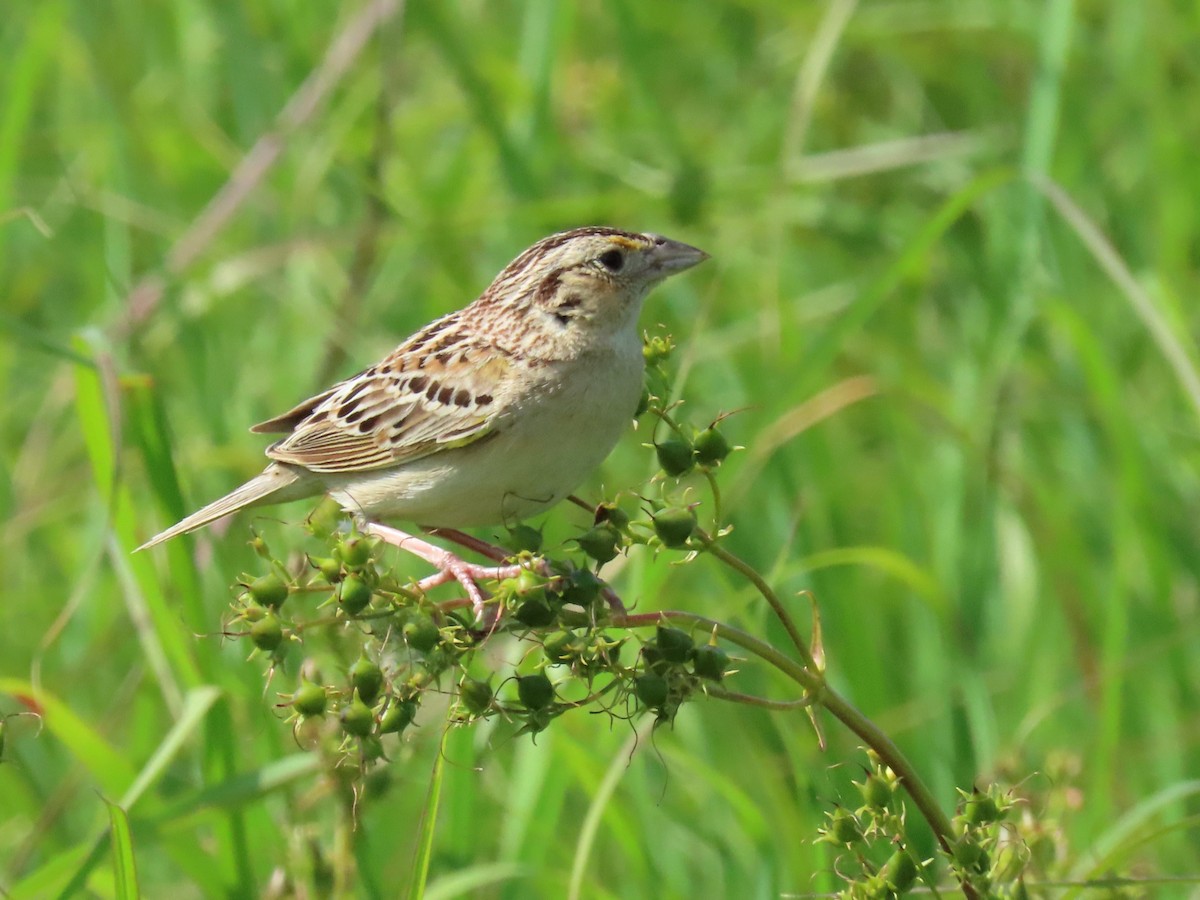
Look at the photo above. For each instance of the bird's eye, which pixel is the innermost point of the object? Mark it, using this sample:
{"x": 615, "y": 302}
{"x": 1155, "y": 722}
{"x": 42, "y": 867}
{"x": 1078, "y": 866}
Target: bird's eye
{"x": 612, "y": 260}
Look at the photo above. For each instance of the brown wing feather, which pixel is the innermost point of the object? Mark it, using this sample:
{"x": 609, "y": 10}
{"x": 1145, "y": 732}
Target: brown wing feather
{"x": 419, "y": 400}
{"x": 294, "y": 416}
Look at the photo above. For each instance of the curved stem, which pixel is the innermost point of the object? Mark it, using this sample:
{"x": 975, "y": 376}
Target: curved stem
{"x": 715, "y": 489}
{"x": 821, "y": 694}
{"x": 747, "y": 571}
{"x": 849, "y": 715}
{"x": 813, "y": 684}
{"x": 719, "y": 693}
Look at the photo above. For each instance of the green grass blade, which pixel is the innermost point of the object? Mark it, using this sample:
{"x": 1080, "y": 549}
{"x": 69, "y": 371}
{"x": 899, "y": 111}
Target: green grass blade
{"x": 124, "y": 865}
{"x": 419, "y": 872}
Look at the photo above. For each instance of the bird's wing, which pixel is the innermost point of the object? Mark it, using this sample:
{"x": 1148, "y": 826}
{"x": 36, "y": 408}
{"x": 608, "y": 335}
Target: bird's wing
{"x": 419, "y": 400}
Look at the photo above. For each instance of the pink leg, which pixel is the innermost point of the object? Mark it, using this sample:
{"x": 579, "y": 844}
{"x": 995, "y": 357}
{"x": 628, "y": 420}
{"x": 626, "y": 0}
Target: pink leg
{"x": 491, "y": 551}
{"x": 450, "y": 567}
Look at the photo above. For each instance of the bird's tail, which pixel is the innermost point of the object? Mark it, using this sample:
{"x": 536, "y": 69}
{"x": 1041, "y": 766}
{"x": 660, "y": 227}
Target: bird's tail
{"x": 277, "y": 484}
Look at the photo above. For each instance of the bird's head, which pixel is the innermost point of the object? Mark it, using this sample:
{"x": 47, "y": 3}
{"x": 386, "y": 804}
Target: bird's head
{"x": 587, "y": 284}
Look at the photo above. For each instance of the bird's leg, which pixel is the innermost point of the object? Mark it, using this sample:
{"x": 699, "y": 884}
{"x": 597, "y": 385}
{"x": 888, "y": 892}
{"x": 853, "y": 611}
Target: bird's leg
{"x": 449, "y": 567}
{"x": 491, "y": 551}
{"x": 483, "y": 548}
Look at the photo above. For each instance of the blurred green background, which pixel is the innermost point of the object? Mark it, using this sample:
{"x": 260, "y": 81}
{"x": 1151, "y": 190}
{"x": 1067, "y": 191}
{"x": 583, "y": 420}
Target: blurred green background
{"x": 952, "y": 294}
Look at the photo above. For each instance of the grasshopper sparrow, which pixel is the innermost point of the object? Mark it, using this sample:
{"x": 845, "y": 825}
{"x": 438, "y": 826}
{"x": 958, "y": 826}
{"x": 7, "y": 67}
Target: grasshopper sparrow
{"x": 488, "y": 415}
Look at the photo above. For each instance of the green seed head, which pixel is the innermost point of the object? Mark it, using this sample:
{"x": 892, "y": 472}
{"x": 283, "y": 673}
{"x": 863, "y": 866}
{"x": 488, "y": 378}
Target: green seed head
{"x": 563, "y": 647}
{"x": 354, "y": 595}
{"x": 581, "y": 588}
{"x": 675, "y": 456}
{"x": 476, "y": 696}
{"x": 651, "y": 690}
{"x": 269, "y": 590}
{"x": 613, "y": 514}
{"x": 643, "y": 403}
{"x": 267, "y": 632}
{"x": 421, "y": 634}
{"x": 711, "y": 447}
{"x": 656, "y": 349}
{"x": 523, "y": 539}
{"x": 600, "y": 542}
{"x": 310, "y": 699}
{"x": 710, "y": 661}
{"x": 876, "y": 792}
{"x": 900, "y": 872}
{"x": 329, "y": 567}
{"x": 843, "y": 828}
{"x": 674, "y": 526}
{"x": 354, "y": 551}
{"x": 398, "y": 716}
{"x": 970, "y": 855}
{"x": 675, "y": 644}
{"x": 357, "y": 718}
{"x": 367, "y": 678}
{"x": 982, "y": 810}
{"x": 535, "y": 612}
{"x": 535, "y": 691}
{"x": 605, "y": 652}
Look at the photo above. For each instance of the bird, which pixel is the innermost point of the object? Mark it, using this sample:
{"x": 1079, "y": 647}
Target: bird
{"x": 486, "y": 416}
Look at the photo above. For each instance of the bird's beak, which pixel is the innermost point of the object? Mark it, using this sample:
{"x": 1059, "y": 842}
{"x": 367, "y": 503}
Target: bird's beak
{"x": 671, "y": 256}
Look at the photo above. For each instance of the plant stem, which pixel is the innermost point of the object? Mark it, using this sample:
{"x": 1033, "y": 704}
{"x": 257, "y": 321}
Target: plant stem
{"x": 719, "y": 693}
{"x": 819, "y": 693}
{"x": 751, "y": 574}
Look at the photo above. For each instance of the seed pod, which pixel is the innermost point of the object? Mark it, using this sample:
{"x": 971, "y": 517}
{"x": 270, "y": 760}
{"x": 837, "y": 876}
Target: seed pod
{"x": 612, "y": 514}
{"x": 421, "y": 634}
{"x": 535, "y": 691}
{"x": 675, "y": 456}
{"x": 398, "y": 716}
{"x": 711, "y": 447}
{"x": 329, "y": 567}
{"x": 652, "y": 659}
{"x": 535, "y": 612}
{"x": 354, "y": 551}
{"x": 476, "y": 696}
{"x": 1011, "y": 859}
{"x": 252, "y": 612}
{"x": 651, "y": 689}
{"x": 656, "y": 349}
{"x": 269, "y": 590}
{"x": 310, "y": 699}
{"x": 843, "y": 828}
{"x": 357, "y": 718}
{"x": 529, "y": 584}
{"x": 354, "y": 595}
{"x": 674, "y": 526}
{"x": 523, "y": 539}
{"x": 982, "y": 810}
{"x": 367, "y": 678}
{"x": 600, "y": 542}
{"x": 900, "y": 872}
{"x": 267, "y": 632}
{"x": 562, "y": 647}
{"x": 970, "y": 855}
{"x": 675, "y": 644}
{"x": 876, "y": 792}
{"x": 710, "y": 661}
{"x": 581, "y": 588}
{"x": 606, "y": 653}
{"x": 643, "y": 403}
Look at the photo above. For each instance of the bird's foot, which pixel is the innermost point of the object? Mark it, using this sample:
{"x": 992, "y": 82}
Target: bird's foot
{"x": 449, "y": 567}
{"x": 483, "y": 548}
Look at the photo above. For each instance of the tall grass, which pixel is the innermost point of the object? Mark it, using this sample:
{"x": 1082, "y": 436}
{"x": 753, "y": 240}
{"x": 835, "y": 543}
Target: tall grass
{"x": 951, "y": 296}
